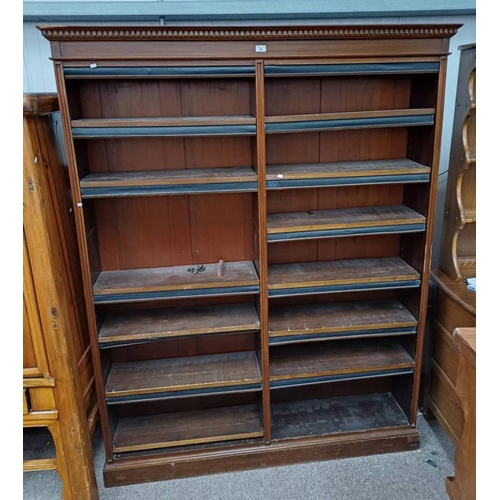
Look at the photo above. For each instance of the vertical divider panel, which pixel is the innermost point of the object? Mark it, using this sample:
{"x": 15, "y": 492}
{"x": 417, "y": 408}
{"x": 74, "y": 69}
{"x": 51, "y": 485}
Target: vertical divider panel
{"x": 262, "y": 211}
{"x": 430, "y": 215}
{"x": 84, "y": 259}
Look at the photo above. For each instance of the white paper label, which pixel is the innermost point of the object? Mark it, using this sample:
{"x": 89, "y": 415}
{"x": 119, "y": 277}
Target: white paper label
{"x": 93, "y": 65}
{"x": 279, "y": 176}
{"x": 261, "y": 48}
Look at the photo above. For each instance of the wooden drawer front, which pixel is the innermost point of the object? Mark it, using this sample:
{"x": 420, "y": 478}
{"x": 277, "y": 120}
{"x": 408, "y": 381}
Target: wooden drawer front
{"x": 41, "y": 399}
{"x": 445, "y": 399}
{"x": 451, "y": 315}
{"x": 445, "y": 352}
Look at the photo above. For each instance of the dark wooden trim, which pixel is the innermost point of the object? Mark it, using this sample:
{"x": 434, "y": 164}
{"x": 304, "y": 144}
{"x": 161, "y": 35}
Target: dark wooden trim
{"x": 317, "y": 69}
{"x": 263, "y": 262}
{"x": 131, "y": 471}
{"x": 319, "y": 123}
{"x": 205, "y": 33}
{"x": 160, "y": 72}
{"x": 431, "y": 213}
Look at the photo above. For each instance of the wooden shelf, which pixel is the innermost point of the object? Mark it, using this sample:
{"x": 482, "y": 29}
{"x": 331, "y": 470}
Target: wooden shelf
{"x": 161, "y": 182}
{"x": 180, "y": 377}
{"x": 175, "y": 282}
{"x": 290, "y": 70}
{"x": 467, "y": 266}
{"x": 469, "y": 216}
{"x": 102, "y": 128}
{"x": 341, "y": 276}
{"x": 343, "y": 222}
{"x": 348, "y": 120}
{"x": 111, "y": 72}
{"x": 314, "y": 363}
{"x": 351, "y": 173}
{"x": 186, "y": 428}
{"x": 315, "y": 417}
{"x": 158, "y": 324}
{"x": 316, "y": 322}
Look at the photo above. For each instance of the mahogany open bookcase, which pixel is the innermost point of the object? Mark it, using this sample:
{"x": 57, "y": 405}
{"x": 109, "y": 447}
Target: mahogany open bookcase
{"x": 254, "y": 208}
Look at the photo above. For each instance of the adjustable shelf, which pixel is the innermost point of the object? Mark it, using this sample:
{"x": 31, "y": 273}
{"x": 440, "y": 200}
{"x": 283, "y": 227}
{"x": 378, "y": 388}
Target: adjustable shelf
{"x": 313, "y": 417}
{"x": 341, "y": 276}
{"x": 187, "y": 181}
{"x": 108, "y": 128}
{"x": 187, "y": 428}
{"x": 306, "y": 364}
{"x": 343, "y": 222}
{"x": 399, "y": 68}
{"x": 157, "y": 379}
{"x": 175, "y": 282}
{"x": 354, "y": 119}
{"x": 316, "y": 322}
{"x": 112, "y": 72}
{"x": 159, "y": 324}
{"x": 350, "y": 173}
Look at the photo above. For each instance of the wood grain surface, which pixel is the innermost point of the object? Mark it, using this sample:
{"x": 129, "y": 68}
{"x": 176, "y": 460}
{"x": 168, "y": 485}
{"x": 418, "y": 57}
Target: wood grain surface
{"x": 337, "y": 358}
{"x": 191, "y": 427}
{"x": 340, "y": 272}
{"x": 343, "y": 218}
{"x": 137, "y": 378}
{"x": 338, "y": 317}
{"x": 175, "y": 278}
{"x": 159, "y": 324}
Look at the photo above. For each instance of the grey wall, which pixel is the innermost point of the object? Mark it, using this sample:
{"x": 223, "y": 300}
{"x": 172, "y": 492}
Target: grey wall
{"x": 38, "y": 74}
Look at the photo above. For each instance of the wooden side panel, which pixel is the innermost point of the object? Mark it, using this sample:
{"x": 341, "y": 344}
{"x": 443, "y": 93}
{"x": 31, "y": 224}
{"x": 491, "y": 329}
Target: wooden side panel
{"x": 445, "y": 403}
{"x": 445, "y": 352}
{"x": 34, "y": 355}
{"x": 45, "y": 229}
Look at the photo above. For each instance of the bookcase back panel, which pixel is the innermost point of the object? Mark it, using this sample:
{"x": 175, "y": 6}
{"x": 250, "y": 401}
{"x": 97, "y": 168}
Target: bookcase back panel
{"x": 296, "y": 200}
{"x": 186, "y": 404}
{"x": 163, "y": 98}
{"x": 174, "y": 230}
{"x": 331, "y": 390}
{"x": 359, "y": 247}
{"x": 333, "y": 297}
{"x": 341, "y": 145}
{"x": 188, "y": 346}
{"x": 166, "y": 304}
{"x": 166, "y": 153}
{"x": 293, "y": 96}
